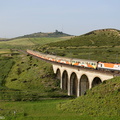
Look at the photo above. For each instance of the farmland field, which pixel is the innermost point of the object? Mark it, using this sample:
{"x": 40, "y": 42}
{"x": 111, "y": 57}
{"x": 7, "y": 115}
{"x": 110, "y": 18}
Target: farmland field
{"x": 42, "y": 110}
{"x": 22, "y": 43}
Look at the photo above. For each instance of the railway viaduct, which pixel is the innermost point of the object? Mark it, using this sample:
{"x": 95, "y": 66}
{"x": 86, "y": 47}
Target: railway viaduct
{"x": 76, "y": 80}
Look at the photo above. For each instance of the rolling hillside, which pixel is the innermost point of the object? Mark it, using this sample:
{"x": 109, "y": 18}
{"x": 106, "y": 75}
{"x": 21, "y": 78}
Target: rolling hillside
{"x": 24, "y": 43}
{"x": 29, "y": 80}
{"x": 105, "y": 43}
{"x": 24, "y": 77}
{"x": 102, "y": 100}
{"x": 31, "y": 40}
{"x": 41, "y": 34}
{"x": 3, "y": 39}
{"x": 104, "y": 37}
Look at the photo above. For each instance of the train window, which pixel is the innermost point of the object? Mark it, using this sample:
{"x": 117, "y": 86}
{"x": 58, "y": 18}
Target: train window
{"x": 92, "y": 64}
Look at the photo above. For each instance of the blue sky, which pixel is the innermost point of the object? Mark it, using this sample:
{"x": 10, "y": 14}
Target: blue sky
{"x": 76, "y": 17}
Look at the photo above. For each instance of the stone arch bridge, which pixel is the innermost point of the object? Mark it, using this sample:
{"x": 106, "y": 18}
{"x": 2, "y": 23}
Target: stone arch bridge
{"x": 76, "y": 80}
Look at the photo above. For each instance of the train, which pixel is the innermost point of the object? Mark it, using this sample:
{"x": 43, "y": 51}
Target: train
{"x": 77, "y": 62}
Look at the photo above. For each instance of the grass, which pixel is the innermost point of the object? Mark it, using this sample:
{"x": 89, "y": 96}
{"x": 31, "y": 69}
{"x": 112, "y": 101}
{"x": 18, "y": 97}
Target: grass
{"x": 42, "y": 110}
{"x": 100, "y": 100}
{"x": 3, "y": 51}
{"x": 5, "y": 70}
{"x": 23, "y": 43}
{"x": 108, "y": 54}
{"x": 27, "y": 70}
{"x": 42, "y": 41}
{"x": 27, "y": 79}
{"x": 101, "y": 45}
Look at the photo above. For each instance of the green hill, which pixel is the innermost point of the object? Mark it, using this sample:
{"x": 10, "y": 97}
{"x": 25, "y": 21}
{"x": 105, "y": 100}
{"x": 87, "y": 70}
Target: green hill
{"x": 35, "y": 39}
{"x": 102, "y": 100}
{"x": 104, "y": 37}
{"x": 3, "y": 39}
{"x": 105, "y": 43}
{"x": 24, "y": 43}
{"x": 41, "y": 34}
{"x": 26, "y": 78}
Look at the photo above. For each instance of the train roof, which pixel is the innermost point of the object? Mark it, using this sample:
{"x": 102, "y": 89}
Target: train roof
{"x": 48, "y": 55}
{"x": 84, "y": 60}
{"x": 61, "y": 57}
{"x": 65, "y": 58}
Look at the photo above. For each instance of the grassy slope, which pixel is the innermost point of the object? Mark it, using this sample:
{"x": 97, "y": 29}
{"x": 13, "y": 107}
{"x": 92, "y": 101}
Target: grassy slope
{"x": 5, "y": 70}
{"x": 5, "y": 51}
{"x": 42, "y": 110}
{"x": 42, "y": 41}
{"x": 23, "y": 43}
{"x": 1, "y": 39}
{"x": 105, "y": 43}
{"x": 29, "y": 79}
{"x": 108, "y": 37}
{"x": 27, "y": 73}
{"x": 100, "y": 100}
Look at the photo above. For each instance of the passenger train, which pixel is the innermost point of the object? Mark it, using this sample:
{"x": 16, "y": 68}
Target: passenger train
{"x": 77, "y": 62}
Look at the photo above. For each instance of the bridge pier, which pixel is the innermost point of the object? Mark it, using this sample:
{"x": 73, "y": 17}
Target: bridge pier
{"x": 77, "y": 80}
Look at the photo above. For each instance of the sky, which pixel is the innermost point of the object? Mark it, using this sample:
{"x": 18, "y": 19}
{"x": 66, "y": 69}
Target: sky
{"x": 75, "y": 17}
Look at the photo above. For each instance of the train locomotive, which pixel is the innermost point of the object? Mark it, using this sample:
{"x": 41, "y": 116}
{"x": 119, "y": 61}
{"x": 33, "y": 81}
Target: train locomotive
{"x": 77, "y": 62}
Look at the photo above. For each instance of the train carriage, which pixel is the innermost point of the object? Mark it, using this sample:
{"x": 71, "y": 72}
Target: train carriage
{"x": 84, "y": 63}
{"x": 77, "y": 62}
{"x": 63, "y": 60}
{"x": 51, "y": 57}
{"x": 109, "y": 66}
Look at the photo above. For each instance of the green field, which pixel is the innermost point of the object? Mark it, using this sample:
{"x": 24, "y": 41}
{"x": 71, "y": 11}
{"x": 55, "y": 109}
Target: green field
{"x": 23, "y": 43}
{"x": 43, "y": 110}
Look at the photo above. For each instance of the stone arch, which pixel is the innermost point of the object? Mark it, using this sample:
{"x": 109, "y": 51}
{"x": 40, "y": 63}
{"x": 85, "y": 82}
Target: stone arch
{"x": 83, "y": 85}
{"x": 73, "y": 84}
{"x": 58, "y": 78}
{"x": 58, "y": 74}
{"x": 65, "y": 80}
{"x": 96, "y": 81}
